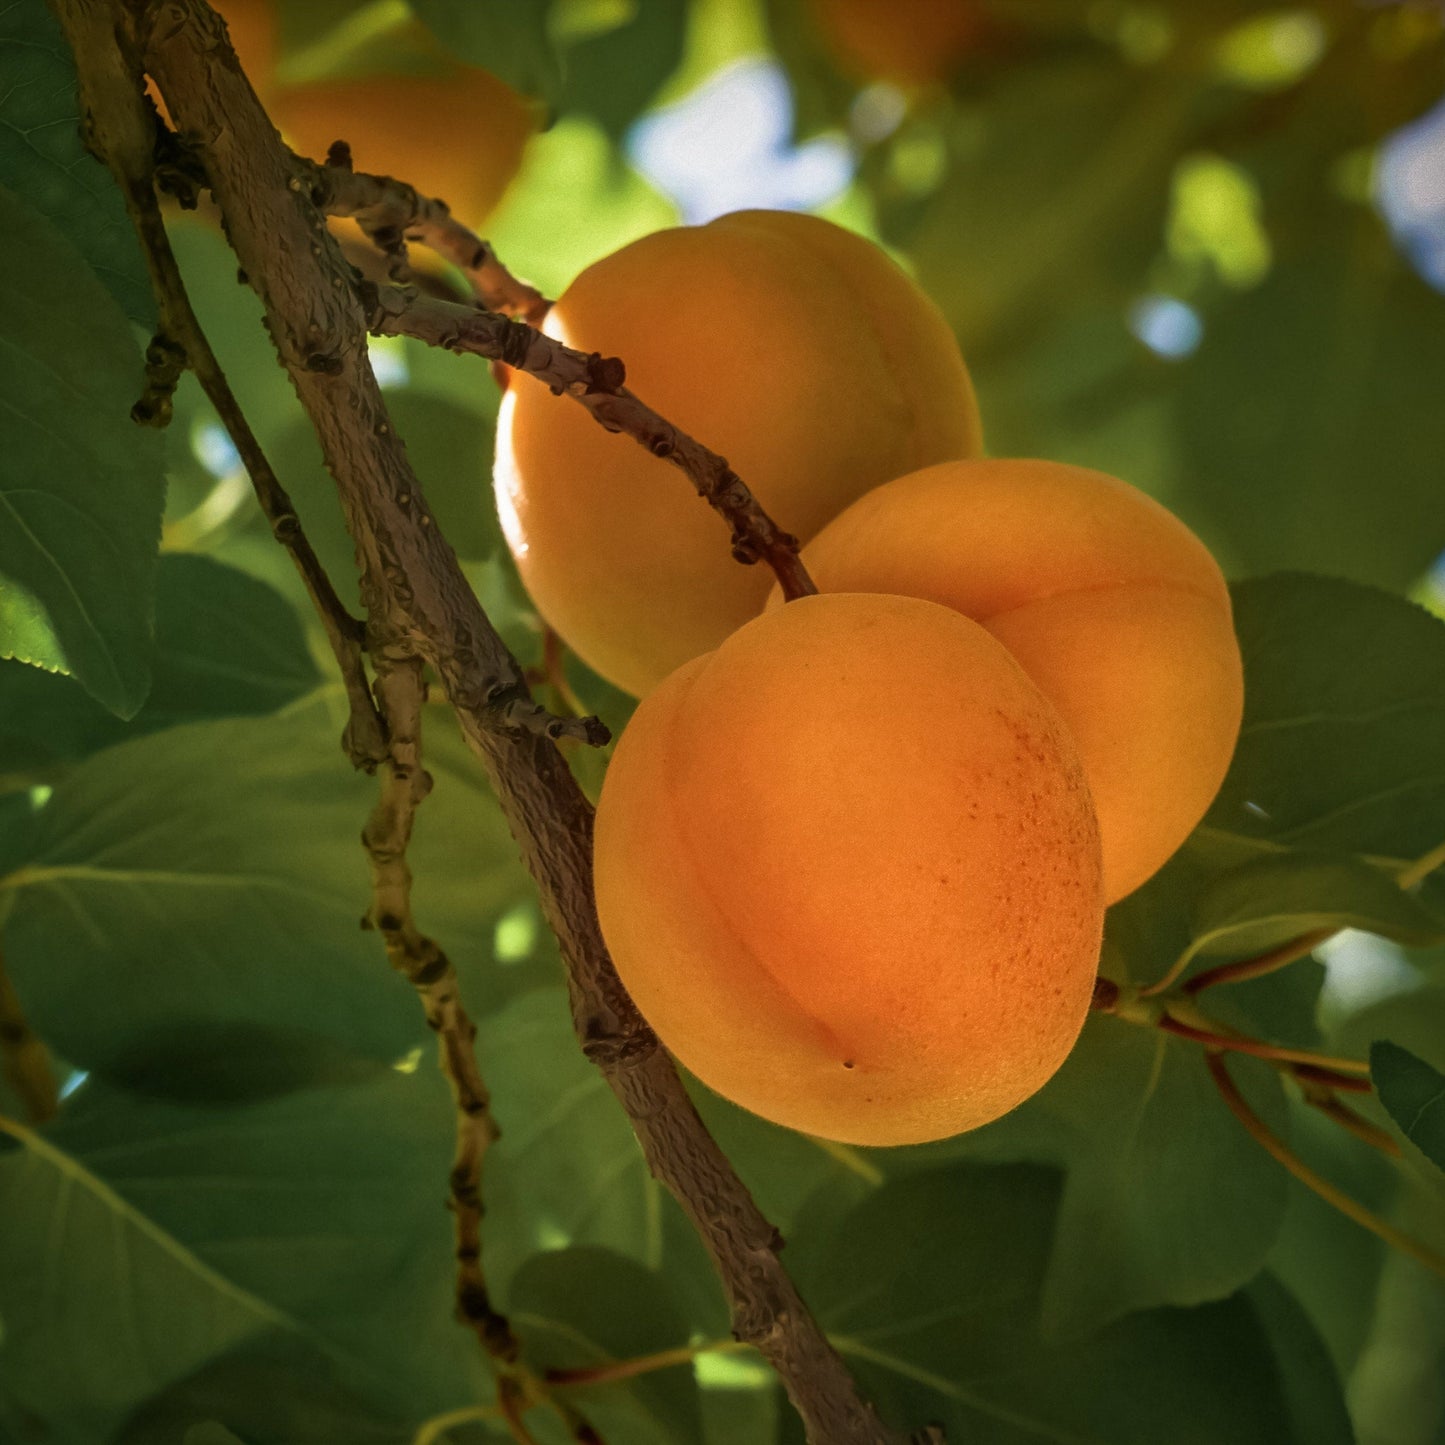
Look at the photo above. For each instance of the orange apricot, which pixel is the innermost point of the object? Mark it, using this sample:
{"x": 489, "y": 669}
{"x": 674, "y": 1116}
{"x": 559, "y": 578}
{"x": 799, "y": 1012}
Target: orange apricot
{"x": 796, "y": 349}
{"x": 848, "y": 868}
{"x": 911, "y": 42}
{"x": 457, "y": 135}
{"x": 1108, "y": 601}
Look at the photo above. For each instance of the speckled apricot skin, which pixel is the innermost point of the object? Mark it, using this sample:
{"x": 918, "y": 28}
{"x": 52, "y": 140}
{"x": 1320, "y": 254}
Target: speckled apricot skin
{"x": 797, "y": 350}
{"x": 848, "y": 868}
{"x": 1110, "y": 603}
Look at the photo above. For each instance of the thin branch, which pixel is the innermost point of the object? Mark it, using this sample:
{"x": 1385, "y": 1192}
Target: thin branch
{"x": 1354, "y": 1123}
{"x": 614, "y": 1370}
{"x": 392, "y": 213}
{"x": 417, "y": 597}
{"x": 595, "y": 382}
{"x": 404, "y": 783}
{"x": 1286, "y": 1156}
{"x": 1260, "y": 1050}
{"x": 24, "y": 1060}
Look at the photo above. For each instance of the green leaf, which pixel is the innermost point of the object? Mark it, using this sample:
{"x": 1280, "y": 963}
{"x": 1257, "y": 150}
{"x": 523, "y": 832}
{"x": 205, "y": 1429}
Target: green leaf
{"x": 1248, "y": 909}
{"x": 323, "y": 1206}
{"x": 226, "y": 645}
{"x": 201, "y": 890}
{"x": 450, "y": 449}
{"x": 567, "y": 1169}
{"x": 1167, "y": 1200}
{"x": 42, "y": 158}
{"x": 81, "y": 488}
{"x": 581, "y": 1308}
{"x": 1344, "y": 711}
{"x": 88, "y": 1277}
{"x": 510, "y": 38}
{"x": 950, "y": 1331}
{"x": 612, "y": 74}
{"x": 1414, "y": 1095}
{"x": 1327, "y": 375}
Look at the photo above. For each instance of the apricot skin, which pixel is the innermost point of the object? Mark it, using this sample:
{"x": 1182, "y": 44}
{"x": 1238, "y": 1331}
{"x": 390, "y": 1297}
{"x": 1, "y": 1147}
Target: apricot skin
{"x": 848, "y": 868}
{"x": 1107, "y": 600}
{"x": 798, "y": 351}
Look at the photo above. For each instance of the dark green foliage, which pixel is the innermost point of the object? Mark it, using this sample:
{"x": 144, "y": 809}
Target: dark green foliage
{"x": 234, "y": 1231}
{"x": 82, "y": 487}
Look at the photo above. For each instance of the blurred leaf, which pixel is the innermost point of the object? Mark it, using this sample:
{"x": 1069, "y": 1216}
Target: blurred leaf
{"x": 1052, "y": 194}
{"x": 1328, "y": 376}
{"x": 580, "y": 1308}
{"x": 450, "y": 450}
{"x": 612, "y": 73}
{"x": 202, "y": 888}
{"x": 567, "y": 1169}
{"x": 42, "y": 159}
{"x": 1344, "y": 715}
{"x": 81, "y": 488}
{"x": 225, "y": 645}
{"x": 1414, "y": 1095}
{"x": 950, "y": 1332}
{"x": 1330, "y": 1264}
{"x": 569, "y": 171}
{"x": 508, "y": 37}
{"x": 1166, "y": 1199}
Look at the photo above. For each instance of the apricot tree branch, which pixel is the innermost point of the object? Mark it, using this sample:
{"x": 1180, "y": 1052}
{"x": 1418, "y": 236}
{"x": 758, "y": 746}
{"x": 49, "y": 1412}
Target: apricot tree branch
{"x": 419, "y": 604}
{"x": 595, "y": 382}
{"x": 1283, "y": 1154}
{"x": 392, "y": 213}
{"x": 24, "y": 1060}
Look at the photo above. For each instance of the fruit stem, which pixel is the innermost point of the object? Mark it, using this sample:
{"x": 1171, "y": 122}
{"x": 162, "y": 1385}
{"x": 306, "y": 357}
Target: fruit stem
{"x": 1283, "y": 1154}
{"x": 1203, "y": 1031}
{"x": 640, "y": 1365}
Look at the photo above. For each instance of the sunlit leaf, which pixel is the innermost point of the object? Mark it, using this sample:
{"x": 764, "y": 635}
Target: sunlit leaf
{"x": 225, "y": 645}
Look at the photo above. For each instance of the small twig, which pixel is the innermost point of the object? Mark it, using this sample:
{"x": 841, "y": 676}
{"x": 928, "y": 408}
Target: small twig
{"x": 1276, "y": 1147}
{"x": 595, "y": 382}
{"x": 24, "y": 1060}
{"x": 1354, "y": 1123}
{"x": 1260, "y": 1050}
{"x": 404, "y": 784}
{"x": 615, "y": 1370}
{"x": 183, "y": 342}
{"x": 392, "y": 213}
{"x": 1261, "y": 964}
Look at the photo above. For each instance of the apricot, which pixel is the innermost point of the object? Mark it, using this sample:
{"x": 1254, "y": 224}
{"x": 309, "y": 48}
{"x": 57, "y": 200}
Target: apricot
{"x": 1108, "y": 601}
{"x": 848, "y": 868}
{"x": 794, "y": 348}
{"x": 911, "y": 42}
{"x": 457, "y": 135}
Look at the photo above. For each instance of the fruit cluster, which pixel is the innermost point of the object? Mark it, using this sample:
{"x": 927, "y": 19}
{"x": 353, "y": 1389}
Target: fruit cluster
{"x": 853, "y": 851}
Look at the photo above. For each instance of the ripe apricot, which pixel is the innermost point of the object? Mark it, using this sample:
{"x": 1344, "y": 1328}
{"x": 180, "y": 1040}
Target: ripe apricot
{"x": 911, "y": 42}
{"x": 1108, "y": 601}
{"x": 457, "y": 135}
{"x": 796, "y": 349}
{"x": 848, "y": 868}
